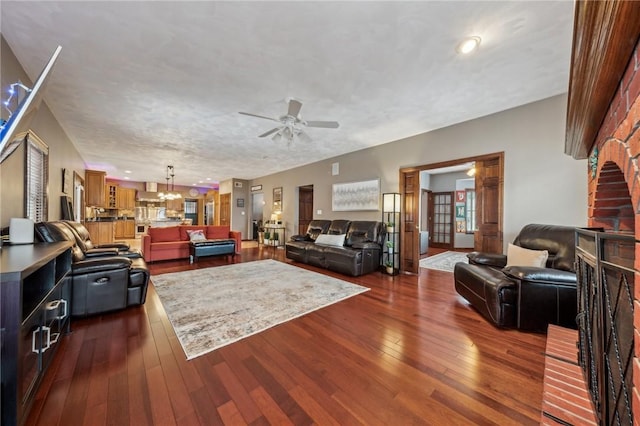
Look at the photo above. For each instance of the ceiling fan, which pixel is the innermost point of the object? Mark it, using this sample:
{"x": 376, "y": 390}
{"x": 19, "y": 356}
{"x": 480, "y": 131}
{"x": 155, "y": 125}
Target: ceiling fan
{"x": 292, "y": 123}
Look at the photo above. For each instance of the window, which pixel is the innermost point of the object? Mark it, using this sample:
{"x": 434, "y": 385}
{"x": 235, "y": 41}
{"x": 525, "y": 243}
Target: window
{"x": 37, "y": 179}
{"x": 470, "y": 210}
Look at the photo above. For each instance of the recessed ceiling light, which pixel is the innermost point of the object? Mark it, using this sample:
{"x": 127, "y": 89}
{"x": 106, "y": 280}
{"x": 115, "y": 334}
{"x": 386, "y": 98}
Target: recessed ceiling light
{"x": 208, "y": 178}
{"x": 127, "y": 171}
{"x": 127, "y": 177}
{"x": 468, "y": 45}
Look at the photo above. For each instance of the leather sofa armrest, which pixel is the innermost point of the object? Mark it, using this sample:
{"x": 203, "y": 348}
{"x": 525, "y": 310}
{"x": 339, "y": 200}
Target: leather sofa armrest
{"x": 301, "y": 238}
{"x": 487, "y": 259}
{"x": 366, "y": 246}
{"x": 119, "y": 246}
{"x": 101, "y": 252}
{"x": 100, "y": 264}
{"x": 236, "y": 235}
{"x": 548, "y": 275}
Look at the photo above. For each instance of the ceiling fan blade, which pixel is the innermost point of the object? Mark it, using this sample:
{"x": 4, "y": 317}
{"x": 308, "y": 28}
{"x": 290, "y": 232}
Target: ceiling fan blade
{"x": 275, "y": 129}
{"x": 277, "y": 137}
{"x": 294, "y": 108}
{"x": 259, "y": 116}
{"x": 325, "y": 124}
{"x": 304, "y": 137}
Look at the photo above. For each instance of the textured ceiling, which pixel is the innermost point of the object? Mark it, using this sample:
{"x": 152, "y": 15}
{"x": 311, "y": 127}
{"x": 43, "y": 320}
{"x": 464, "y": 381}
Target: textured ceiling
{"x": 140, "y": 85}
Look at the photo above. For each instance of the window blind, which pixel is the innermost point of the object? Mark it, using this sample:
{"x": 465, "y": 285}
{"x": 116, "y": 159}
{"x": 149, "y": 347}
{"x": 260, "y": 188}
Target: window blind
{"x": 37, "y": 179}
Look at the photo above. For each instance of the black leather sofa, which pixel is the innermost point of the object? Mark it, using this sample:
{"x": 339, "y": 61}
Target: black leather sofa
{"x": 524, "y": 297}
{"x": 360, "y": 253}
{"x": 102, "y": 280}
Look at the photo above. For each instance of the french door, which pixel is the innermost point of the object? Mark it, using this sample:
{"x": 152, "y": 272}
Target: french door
{"x": 441, "y": 225}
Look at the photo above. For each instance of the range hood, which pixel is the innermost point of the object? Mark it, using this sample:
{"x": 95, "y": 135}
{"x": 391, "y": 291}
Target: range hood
{"x": 148, "y": 196}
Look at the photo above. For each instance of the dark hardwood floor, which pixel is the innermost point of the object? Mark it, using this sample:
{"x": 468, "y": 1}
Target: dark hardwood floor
{"x": 410, "y": 351}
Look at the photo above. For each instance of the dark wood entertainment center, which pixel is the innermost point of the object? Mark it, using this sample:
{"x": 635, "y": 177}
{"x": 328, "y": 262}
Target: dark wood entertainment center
{"x": 34, "y": 312}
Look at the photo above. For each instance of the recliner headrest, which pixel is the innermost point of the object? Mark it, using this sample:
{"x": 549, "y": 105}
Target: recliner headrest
{"x": 558, "y": 240}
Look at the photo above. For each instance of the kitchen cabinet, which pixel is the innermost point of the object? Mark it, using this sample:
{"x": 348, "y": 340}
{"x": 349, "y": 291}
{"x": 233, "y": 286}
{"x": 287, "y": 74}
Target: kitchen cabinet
{"x": 34, "y": 301}
{"x": 111, "y": 194}
{"x": 125, "y": 229}
{"x": 129, "y": 229}
{"x": 177, "y": 205}
{"x": 126, "y": 198}
{"x": 94, "y": 183}
{"x": 101, "y": 232}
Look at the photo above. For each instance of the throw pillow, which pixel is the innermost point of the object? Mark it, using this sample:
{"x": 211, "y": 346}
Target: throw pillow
{"x": 331, "y": 240}
{"x": 197, "y": 235}
{"x": 518, "y": 256}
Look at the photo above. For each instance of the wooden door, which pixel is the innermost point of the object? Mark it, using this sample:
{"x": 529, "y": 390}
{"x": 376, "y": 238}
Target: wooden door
{"x": 441, "y": 223}
{"x": 305, "y": 208}
{"x": 410, "y": 235}
{"x": 489, "y": 188}
{"x": 225, "y": 209}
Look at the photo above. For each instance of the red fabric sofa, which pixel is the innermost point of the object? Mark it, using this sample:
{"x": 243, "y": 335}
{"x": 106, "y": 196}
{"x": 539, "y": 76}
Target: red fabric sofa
{"x": 172, "y": 242}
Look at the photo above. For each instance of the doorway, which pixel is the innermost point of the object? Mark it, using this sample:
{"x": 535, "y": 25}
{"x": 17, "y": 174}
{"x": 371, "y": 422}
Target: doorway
{"x": 305, "y": 208}
{"x": 257, "y": 213}
{"x": 489, "y": 182}
{"x": 191, "y": 210}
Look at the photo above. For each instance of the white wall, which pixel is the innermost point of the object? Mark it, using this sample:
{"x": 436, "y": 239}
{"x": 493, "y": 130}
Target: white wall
{"x": 542, "y": 184}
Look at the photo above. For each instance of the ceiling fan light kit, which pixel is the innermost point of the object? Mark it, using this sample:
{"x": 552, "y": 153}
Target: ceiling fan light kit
{"x": 291, "y": 124}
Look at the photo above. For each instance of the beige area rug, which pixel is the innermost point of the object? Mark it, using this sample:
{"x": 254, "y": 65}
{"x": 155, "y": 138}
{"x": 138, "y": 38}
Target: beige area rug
{"x": 444, "y": 261}
{"x": 213, "y": 307}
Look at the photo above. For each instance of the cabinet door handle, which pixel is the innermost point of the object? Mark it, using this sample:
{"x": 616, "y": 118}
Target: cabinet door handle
{"x": 64, "y": 310}
{"x": 48, "y": 339}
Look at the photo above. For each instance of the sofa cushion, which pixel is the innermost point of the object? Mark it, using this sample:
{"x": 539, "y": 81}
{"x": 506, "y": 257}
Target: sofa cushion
{"x": 331, "y": 240}
{"x": 196, "y": 235}
{"x": 214, "y": 232}
{"x": 338, "y": 227}
{"x": 169, "y": 233}
{"x": 518, "y": 256}
{"x": 184, "y": 231}
{"x": 362, "y": 231}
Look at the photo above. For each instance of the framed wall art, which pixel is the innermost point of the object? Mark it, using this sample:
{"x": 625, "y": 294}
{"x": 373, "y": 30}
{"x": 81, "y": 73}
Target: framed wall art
{"x": 364, "y": 195}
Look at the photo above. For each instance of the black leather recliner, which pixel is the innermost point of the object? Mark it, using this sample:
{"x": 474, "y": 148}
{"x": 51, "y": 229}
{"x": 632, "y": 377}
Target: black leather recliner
{"x": 83, "y": 239}
{"x": 103, "y": 281}
{"x": 526, "y": 297}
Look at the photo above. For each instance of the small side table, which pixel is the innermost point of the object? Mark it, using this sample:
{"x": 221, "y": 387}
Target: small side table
{"x": 281, "y": 231}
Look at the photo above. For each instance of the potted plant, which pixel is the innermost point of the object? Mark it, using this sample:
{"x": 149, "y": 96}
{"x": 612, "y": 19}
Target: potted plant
{"x": 389, "y": 267}
{"x": 275, "y": 239}
{"x": 389, "y": 246}
{"x": 267, "y": 236}
{"x": 390, "y": 226}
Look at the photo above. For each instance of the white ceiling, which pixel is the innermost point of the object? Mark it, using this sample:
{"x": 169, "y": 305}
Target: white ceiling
{"x": 140, "y": 85}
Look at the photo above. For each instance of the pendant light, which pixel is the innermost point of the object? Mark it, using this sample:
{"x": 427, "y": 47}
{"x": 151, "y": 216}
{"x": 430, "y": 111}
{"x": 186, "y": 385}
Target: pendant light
{"x": 170, "y": 195}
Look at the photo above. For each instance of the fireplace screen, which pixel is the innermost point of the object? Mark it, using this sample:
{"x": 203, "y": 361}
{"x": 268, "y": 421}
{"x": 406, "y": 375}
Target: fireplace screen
{"x": 605, "y": 305}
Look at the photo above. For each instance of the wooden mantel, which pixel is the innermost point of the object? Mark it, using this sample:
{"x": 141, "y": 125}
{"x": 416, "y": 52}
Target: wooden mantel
{"x": 604, "y": 37}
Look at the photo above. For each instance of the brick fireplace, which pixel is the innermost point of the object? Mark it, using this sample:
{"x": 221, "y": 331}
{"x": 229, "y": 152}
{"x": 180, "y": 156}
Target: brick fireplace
{"x": 603, "y": 126}
{"x": 614, "y": 183}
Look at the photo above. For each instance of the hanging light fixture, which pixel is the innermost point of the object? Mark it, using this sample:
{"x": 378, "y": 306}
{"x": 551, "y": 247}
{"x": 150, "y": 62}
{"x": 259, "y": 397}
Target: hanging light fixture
{"x": 170, "y": 195}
